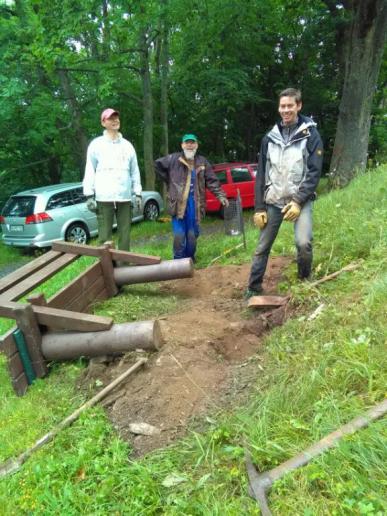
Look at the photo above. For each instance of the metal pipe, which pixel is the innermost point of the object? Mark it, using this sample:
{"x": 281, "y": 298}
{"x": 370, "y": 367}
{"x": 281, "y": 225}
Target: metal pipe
{"x": 119, "y": 339}
{"x": 166, "y": 270}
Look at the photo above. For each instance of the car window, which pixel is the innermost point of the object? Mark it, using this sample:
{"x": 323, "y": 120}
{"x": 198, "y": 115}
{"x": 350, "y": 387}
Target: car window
{"x": 254, "y": 169}
{"x": 240, "y": 175}
{"x": 19, "y": 206}
{"x": 60, "y": 200}
{"x": 78, "y": 195}
{"x": 222, "y": 176}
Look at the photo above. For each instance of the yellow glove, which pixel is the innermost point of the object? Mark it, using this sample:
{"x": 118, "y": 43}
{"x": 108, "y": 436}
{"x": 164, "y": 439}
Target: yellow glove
{"x": 260, "y": 219}
{"x": 291, "y": 211}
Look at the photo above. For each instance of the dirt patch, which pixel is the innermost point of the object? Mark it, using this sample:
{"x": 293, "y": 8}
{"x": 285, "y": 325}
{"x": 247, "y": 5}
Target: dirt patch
{"x": 208, "y": 342}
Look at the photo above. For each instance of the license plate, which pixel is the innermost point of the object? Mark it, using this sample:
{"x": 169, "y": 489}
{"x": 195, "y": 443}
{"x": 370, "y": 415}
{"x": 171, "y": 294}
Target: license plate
{"x": 16, "y": 228}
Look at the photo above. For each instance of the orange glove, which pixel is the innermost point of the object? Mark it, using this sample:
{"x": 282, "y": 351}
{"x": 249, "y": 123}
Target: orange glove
{"x": 260, "y": 219}
{"x": 291, "y": 211}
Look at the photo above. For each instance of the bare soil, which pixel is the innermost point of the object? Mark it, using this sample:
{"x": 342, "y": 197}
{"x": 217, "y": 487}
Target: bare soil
{"x": 204, "y": 363}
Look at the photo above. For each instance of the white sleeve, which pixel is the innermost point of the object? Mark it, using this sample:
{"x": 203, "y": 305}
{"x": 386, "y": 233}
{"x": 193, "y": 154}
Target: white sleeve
{"x": 135, "y": 174}
{"x": 89, "y": 177}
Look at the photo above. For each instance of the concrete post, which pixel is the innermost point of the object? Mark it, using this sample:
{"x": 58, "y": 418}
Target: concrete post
{"x": 166, "y": 270}
{"x": 119, "y": 339}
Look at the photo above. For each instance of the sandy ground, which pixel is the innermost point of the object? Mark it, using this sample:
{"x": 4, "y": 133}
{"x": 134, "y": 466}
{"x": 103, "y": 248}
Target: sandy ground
{"x": 201, "y": 367}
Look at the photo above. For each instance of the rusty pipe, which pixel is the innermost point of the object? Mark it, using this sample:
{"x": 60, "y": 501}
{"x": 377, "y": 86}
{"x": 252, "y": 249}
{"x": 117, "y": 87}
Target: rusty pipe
{"x": 121, "y": 338}
{"x": 166, "y": 270}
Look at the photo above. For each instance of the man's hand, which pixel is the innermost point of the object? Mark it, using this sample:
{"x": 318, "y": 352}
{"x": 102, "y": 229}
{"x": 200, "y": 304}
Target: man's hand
{"x": 138, "y": 203}
{"x": 91, "y": 204}
{"x": 291, "y": 211}
{"x": 260, "y": 219}
{"x": 224, "y": 202}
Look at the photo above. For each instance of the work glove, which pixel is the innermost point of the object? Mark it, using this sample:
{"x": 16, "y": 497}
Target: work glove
{"x": 91, "y": 204}
{"x": 260, "y": 219}
{"x": 224, "y": 202}
{"x": 138, "y": 203}
{"x": 291, "y": 211}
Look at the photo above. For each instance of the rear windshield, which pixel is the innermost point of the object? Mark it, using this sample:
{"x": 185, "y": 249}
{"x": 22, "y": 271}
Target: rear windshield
{"x": 222, "y": 176}
{"x": 19, "y": 206}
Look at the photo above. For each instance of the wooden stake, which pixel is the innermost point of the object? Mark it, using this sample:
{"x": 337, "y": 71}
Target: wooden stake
{"x": 347, "y": 268}
{"x": 260, "y": 483}
{"x": 228, "y": 251}
{"x": 13, "y": 465}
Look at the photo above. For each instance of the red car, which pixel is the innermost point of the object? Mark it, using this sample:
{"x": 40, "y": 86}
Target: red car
{"x": 233, "y": 177}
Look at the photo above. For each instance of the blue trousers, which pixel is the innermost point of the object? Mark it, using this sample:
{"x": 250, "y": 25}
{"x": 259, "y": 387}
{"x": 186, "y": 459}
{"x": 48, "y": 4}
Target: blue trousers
{"x": 303, "y": 238}
{"x": 185, "y": 232}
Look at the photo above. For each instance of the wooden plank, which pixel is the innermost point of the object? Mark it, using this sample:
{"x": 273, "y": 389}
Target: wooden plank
{"x": 38, "y": 277}
{"x": 37, "y": 299}
{"x": 75, "y": 288}
{"x": 76, "y": 321}
{"x": 108, "y": 270}
{"x": 95, "y": 291}
{"x": 267, "y": 301}
{"x": 23, "y": 272}
{"x": 134, "y": 258}
{"x": 101, "y": 296}
{"x": 15, "y": 366}
{"x": 60, "y": 319}
{"x": 27, "y": 322}
{"x": 8, "y": 344}
{"x": 20, "y": 384}
{"x": 78, "y": 249}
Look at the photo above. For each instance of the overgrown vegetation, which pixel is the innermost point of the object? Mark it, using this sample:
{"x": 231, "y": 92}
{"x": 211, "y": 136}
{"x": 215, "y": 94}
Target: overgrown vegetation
{"x": 317, "y": 374}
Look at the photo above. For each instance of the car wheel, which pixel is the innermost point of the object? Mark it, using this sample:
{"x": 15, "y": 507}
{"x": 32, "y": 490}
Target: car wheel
{"x": 77, "y": 233}
{"x": 151, "y": 210}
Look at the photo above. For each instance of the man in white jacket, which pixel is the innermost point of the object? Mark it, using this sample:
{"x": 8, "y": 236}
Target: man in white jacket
{"x": 111, "y": 178}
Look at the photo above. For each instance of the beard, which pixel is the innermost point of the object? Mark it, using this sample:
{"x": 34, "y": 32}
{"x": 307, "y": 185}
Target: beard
{"x": 189, "y": 154}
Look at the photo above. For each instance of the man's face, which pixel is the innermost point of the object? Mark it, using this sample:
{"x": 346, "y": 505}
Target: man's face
{"x": 289, "y": 109}
{"x": 189, "y": 148}
{"x": 112, "y": 123}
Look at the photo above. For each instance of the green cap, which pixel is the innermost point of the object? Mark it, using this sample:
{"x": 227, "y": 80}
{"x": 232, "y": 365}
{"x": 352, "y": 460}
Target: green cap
{"x": 187, "y": 137}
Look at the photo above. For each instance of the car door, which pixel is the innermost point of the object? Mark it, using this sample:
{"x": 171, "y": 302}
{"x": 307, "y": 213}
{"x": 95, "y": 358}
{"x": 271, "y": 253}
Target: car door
{"x": 212, "y": 203}
{"x": 83, "y": 213}
{"x": 242, "y": 180}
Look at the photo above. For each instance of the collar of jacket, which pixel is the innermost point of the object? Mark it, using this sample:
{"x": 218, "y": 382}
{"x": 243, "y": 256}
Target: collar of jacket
{"x": 116, "y": 140}
{"x": 302, "y": 131}
{"x": 198, "y": 168}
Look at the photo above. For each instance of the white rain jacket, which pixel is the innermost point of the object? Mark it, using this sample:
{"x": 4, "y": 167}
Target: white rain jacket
{"x": 111, "y": 172}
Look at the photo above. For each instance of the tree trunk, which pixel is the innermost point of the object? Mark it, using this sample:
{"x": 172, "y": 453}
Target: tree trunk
{"x": 82, "y": 142}
{"x": 164, "y": 57}
{"x": 148, "y": 115}
{"x": 364, "y": 44}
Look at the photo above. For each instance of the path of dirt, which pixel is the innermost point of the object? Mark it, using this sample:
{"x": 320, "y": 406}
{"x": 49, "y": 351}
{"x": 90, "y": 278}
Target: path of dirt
{"x": 199, "y": 367}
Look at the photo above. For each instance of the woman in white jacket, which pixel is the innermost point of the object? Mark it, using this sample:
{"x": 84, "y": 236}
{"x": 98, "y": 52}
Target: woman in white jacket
{"x": 111, "y": 177}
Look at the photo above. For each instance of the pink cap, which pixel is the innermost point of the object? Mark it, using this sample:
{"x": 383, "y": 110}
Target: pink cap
{"x": 107, "y": 113}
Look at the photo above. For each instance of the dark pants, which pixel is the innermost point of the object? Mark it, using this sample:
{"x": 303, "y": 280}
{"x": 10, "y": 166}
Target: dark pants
{"x": 185, "y": 232}
{"x": 105, "y": 217}
{"x": 303, "y": 238}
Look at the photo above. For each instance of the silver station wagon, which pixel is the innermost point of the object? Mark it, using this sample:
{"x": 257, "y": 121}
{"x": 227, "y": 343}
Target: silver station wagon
{"x": 38, "y": 217}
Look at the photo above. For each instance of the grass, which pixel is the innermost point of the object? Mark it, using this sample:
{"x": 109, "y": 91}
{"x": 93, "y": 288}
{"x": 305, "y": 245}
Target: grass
{"x": 317, "y": 375}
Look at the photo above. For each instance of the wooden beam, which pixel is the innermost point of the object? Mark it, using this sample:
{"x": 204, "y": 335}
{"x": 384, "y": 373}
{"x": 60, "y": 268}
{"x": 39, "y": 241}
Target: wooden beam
{"x": 38, "y": 277}
{"x": 135, "y": 258}
{"x": 23, "y": 272}
{"x": 108, "y": 270}
{"x": 267, "y": 301}
{"x": 60, "y": 319}
{"x": 67, "y": 320}
{"x": 78, "y": 249}
{"x": 27, "y": 322}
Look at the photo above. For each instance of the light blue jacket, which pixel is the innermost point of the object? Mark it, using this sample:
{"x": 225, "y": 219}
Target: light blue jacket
{"x": 111, "y": 172}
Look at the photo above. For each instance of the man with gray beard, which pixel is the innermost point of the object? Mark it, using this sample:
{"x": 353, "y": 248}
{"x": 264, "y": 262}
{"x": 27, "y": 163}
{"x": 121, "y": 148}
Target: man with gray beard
{"x": 187, "y": 175}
